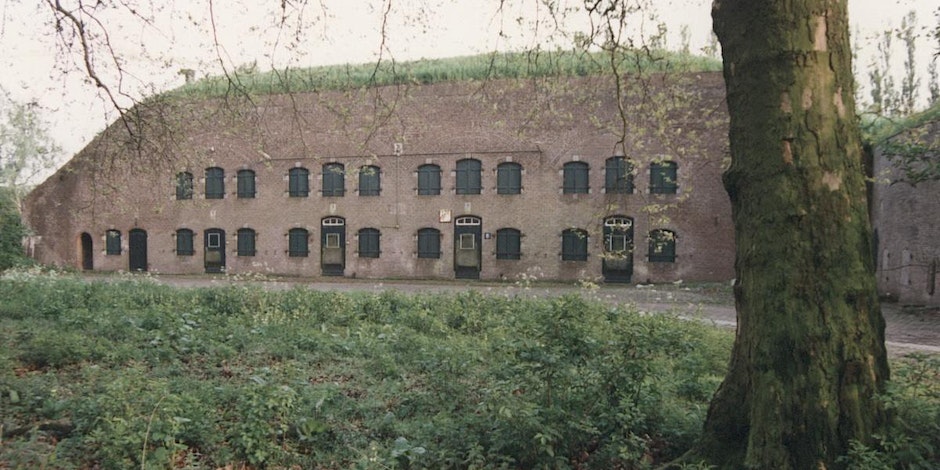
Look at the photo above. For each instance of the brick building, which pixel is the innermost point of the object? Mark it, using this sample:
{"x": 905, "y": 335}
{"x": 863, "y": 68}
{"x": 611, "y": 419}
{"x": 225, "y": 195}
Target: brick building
{"x": 499, "y": 179}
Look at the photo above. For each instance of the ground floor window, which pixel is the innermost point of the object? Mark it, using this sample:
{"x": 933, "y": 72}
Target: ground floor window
{"x": 662, "y": 247}
{"x": 113, "y": 242}
{"x": 508, "y": 244}
{"x": 574, "y": 245}
{"x": 297, "y": 243}
{"x": 184, "y": 242}
{"x": 429, "y": 243}
{"x": 369, "y": 243}
{"x": 246, "y": 242}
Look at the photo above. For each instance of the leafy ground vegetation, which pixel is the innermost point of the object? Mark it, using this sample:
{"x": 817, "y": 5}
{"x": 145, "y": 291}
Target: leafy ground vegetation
{"x": 132, "y": 374}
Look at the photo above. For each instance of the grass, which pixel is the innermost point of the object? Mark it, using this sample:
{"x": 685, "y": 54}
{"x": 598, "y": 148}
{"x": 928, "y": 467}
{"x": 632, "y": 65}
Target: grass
{"x": 247, "y": 80}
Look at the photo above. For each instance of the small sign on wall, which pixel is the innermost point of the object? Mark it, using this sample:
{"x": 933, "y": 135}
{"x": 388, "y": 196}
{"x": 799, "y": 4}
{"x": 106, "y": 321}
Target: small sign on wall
{"x": 445, "y": 216}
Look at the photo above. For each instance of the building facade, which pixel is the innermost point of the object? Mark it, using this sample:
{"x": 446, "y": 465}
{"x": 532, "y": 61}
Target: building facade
{"x": 497, "y": 180}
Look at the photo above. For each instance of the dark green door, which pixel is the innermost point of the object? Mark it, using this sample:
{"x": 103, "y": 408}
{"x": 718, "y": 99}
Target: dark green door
{"x": 88, "y": 253}
{"x": 333, "y": 246}
{"x": 468, "y": 233}
{"x": 137, "y": 250}
{"x": 215, "y": 250}
{"x": 618, "y": 249}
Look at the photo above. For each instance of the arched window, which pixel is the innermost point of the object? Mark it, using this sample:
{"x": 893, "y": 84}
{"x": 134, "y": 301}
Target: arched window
{"x": 468, "y": 176}
{"x": 509, "y": 178}
{"x": 576, "y": 178}
{"x": 215, "y": 183}
{"x": 508, "y": 243}
{"x": 663, "y": 177}
{"x": 297, "y": 243}
{"x": 246, "y": 184}
{"x": 369, "y": 243}
{"x": 429, "y": 243}
{"x": 334, "y": 180}
{"x": 298, "y": 182}
{"x": 184, "y": 185}
{"x": 429, "y": 180}
{"x": 618, "y": 176}
{"x": 574, "y": 245}
{"x": 662, "y": 247}
{"x": 112, "y": 242}
{"x": 370, "y": 180}
{"x": 184, "y": 242}
{"x": 246, "y": 242}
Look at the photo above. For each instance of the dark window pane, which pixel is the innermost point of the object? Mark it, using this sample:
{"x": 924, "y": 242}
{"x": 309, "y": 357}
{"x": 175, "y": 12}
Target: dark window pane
{"x": 298, "y": 182}
{"x": 246, "y": 184}
{"x": 574, "y": 244}
{"x": 662, "y": 247}
{"x": 508, "y": 244}
{"x": 184, "y": 242}
{"x": 663, "y": 178}
{"x": 297, "y": 243}
{"x": 618, "y": 176}
{"x": 215, "y": 183}
{"x": 370, "y": 183}
{"x": 576, "y": 178}
{"x": 369, "y": 243}
{"x": 429, "y": 243}
{"x": 334, "y": 180}
{"x": 468, "y": 176}
{"x": 429, "y": 180}
{"x": 113, "y": 242}
{"x": 184, "y": 185}
{"x": 509, "y": 178}
{"x": 246, "y": 242}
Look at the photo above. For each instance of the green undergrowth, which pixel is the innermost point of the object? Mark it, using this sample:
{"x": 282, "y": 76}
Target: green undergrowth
{"x": 126, "y": 373}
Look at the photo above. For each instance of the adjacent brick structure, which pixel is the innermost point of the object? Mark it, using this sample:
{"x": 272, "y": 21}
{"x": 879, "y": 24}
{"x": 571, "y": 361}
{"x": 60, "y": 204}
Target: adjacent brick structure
{"x": 129, "y": 186}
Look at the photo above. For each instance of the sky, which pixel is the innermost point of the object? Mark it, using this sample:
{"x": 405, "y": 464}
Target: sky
{"x": 178, "y": 35}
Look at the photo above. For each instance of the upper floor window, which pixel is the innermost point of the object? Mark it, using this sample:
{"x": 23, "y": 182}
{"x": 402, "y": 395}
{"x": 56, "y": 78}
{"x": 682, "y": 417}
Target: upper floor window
{"x": 618, "y": 176}
{"x": 574, "y": 245}
{"x": 184, "y": 242}
{"x": 297, "y": 242}
{"x": 184, "y": 185}
{"x": 576, "y": 178}
{"x": 334, "y": 180}
{"x": 663, "y": 178}
{"x": 662, "y": 247}
{"x": 112, "y": 245}
{"x": 429, "y": 243}
{"x": 508, "y": 244}
{"x": 246, "y": 184}
{"x": 468, "y": 176}
{"x": 369, "y": 243}
{"x": 508, "y": 178}
{"x": 298, "y": 182}
{"x": 246, "y": 242}
{"x": 370, "y": 183}
{"x": 429, "y": 180}
{"x": 215, "y": 183}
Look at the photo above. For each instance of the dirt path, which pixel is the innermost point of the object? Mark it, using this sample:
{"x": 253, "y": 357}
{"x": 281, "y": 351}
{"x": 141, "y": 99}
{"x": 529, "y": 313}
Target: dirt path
{"x": 907, "y": 331}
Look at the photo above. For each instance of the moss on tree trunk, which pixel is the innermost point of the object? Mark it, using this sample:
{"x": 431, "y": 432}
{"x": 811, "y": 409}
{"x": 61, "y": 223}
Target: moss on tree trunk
{"x": 809, "y": 357}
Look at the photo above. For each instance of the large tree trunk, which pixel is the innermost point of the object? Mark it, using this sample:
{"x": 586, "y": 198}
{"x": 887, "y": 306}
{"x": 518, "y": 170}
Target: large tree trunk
{"x": 809, "y": 356}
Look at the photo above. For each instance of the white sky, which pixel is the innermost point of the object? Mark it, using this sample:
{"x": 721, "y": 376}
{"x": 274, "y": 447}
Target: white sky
{"x": 338, "y": 31}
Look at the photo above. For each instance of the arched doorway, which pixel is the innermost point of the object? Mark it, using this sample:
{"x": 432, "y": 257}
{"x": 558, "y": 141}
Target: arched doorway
{"x": 137, "y": 250}
{"x": 87, "y": 252}
{"x": 618, "y": 249}
{"x": 333, "y": 246}
{"x": 468, "y": 235}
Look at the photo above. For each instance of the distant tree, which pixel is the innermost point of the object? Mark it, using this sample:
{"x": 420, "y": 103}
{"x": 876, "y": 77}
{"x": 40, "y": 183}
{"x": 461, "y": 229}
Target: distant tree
{"x": 26, "y": 150}
{"x": 12, "y": 232}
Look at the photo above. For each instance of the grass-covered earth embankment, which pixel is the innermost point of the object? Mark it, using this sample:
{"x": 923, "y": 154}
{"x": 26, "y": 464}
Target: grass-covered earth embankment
{"x": 133, "y": 374}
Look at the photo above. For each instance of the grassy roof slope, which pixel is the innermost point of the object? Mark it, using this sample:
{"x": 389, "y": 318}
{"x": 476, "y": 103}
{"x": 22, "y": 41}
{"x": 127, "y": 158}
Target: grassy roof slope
{"x": 478, "y": 67}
